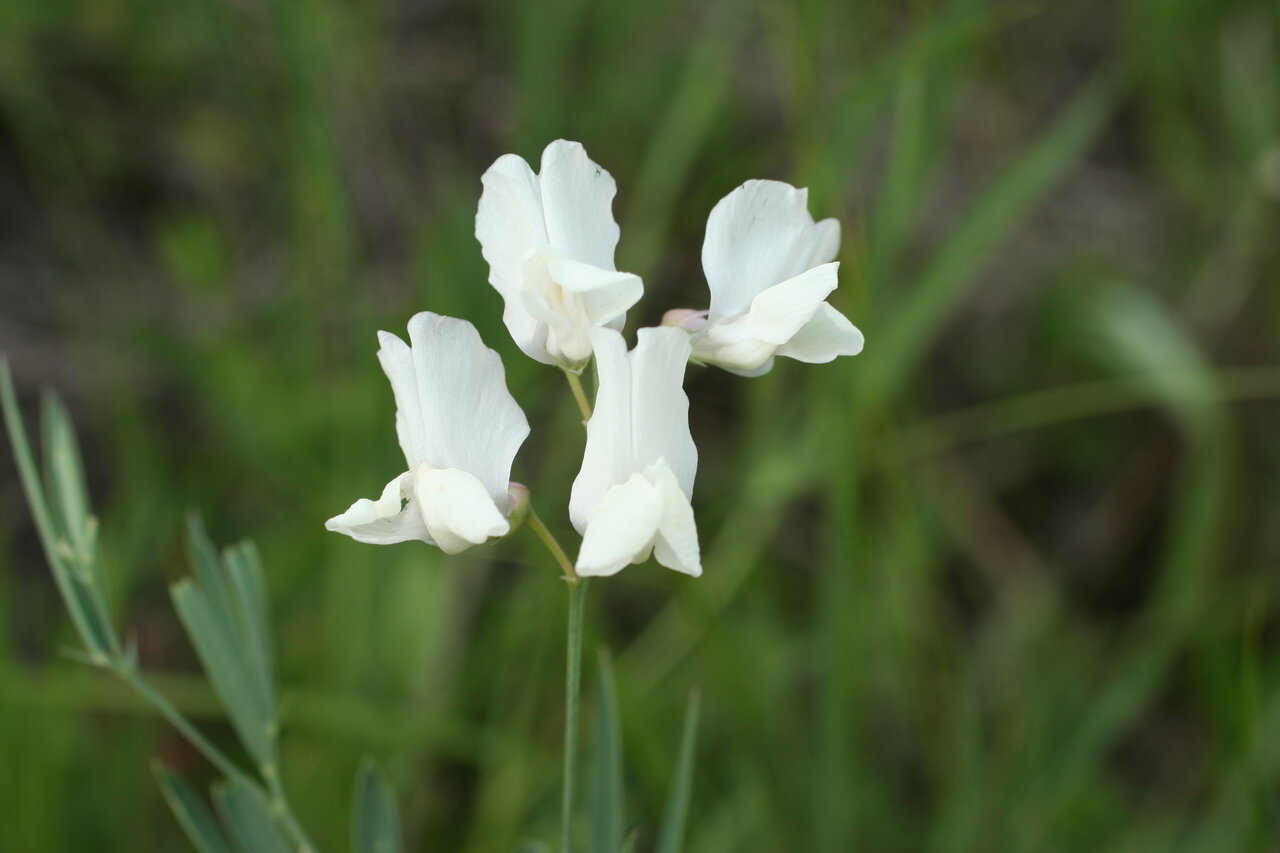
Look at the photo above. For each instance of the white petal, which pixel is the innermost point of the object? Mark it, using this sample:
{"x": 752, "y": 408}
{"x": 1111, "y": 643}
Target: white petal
{"x": 562, "y": 321}
{"x": 606, "y": 294}
{"x": 828, "y": 335}
{"x": 509, "y": 220}
{"x": 510, "y": 225}
{"x": 759, "y": 235}
{"x": 470, "y": 420}
{"x": 659, "y": 406}
{"x": 526, "y": 331}
{"x": 750, "y": 372}
{"x": 397, "y": 363}
{"x": 826, "y": 243}
{"x": 577, "y": 200}
{"x": 622, "y": 527}
{"x": 732, "y": 347}
{"x": 747, "y": 344}
{"x": 385, "y": 521}
{"x": 676, "y": 545}
{"x": 782, "y": 310}
{"x": 607, "y": 459}
{"x": 458, "y": 509}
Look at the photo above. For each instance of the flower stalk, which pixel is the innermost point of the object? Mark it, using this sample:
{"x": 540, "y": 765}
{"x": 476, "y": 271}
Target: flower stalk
{"x": 539, "y": 527}
{"x": 579, "y": 395}
{"x": 572, "y": 691}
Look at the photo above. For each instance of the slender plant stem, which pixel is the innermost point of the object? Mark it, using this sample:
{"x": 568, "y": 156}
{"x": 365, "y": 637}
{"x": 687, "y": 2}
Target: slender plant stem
{"x": 271, "y": 776}
{"x": 572, "y": 689}
{"x": 579, "y": 395}
{"x": 549, "y": 540}
{"x": 280, "y": 800}
{"x": 572, "y": 672}
{"x": 215, "y": 756}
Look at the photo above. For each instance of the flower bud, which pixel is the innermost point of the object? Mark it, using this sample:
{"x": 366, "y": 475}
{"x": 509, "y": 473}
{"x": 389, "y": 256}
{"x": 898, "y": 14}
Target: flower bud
{"x": 685, "y": 318}
{"x": 518, "y": 501}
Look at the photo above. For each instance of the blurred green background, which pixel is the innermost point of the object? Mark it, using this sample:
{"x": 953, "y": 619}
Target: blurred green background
{"x": 1006, "y": 581}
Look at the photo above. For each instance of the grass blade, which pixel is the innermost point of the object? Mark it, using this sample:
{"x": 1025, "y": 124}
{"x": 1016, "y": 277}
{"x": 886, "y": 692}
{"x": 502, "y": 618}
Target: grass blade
{"x": 192, "y": 814}
{"x": 608, "y": 802}
{"x": 376, "y": 821}
{"x": 671, "y": 837}
{"x": 945, "y": 282}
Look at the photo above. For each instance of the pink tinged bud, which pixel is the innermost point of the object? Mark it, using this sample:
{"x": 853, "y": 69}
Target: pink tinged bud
{"x": 518, "y": 503}
{"x": 685, "y": 318}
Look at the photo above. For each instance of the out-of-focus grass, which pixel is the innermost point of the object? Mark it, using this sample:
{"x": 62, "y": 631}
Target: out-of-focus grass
{"x": 1006, "y": 581}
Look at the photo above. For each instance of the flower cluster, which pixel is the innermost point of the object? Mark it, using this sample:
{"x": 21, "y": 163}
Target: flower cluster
{"x": 549, "y": 239}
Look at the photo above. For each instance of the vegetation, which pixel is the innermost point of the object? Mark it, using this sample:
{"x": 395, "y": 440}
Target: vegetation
{"x": 1005, "y": 581}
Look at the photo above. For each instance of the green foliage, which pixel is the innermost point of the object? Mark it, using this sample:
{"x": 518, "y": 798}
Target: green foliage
{"x": 608, "y": 806}
{"x": 1006, "y": 581}
{"x": 197, "y": 821}
{"x": 375, "y": 818}
{"x": 676, "y": 816}
{"x": 225, "y": 617}
{"x": 61, "y": 513}
{"x": 249, "y": 818}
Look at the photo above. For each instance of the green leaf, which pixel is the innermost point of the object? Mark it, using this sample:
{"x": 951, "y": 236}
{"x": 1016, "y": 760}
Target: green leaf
{"x": 608, "y": 803}
{"x": 671, "y": 837}
{"x": 77, "y": 529}
{"x": 376, "y": 821}
{"x": 248, "y": 815}
{"x": 64, "y": 474}
{"x": 192, "y": 814}
{"x": 82, "y": 597}
{"x": 244, "y": 567}
{"x": 226, "y": 617}
{"x": 225, "y": 662}
{"x": 205, "y": 563}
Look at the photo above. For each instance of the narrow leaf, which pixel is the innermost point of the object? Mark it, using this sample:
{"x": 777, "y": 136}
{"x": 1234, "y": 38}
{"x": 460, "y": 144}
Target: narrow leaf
{"x": 65, "y": 474}
{"x": 95, "y": 632}
{"x": 249, "y": 589}
{"x": 376, "y": 822}
{"x": 608, "y": 804}
{"x": 225, "y": 664}
{"x": 192, "y": 814}
{"x": 671, "y": 838}
{"x": 248, "y": 815}
{"x": 68, "y": 500}
{"x": 207, "y": 567}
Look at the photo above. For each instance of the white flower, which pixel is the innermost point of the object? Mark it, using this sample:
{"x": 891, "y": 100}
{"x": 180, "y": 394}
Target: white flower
{"x": 549, "y": 240}
{"x": 459, "y": 429}
{"x": 770, "y": 268}
{"x": 632, "y": 494}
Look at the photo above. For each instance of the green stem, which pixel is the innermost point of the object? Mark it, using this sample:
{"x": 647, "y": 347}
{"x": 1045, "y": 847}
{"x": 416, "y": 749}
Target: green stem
{"x": 579, "y": 395}
{"x": 274, "y": 788}
{"x": 537, "y": 525}
{"x": 572, "y": 688}
{"x": 133, "y": 678}
{"x": 281, "y": 802}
